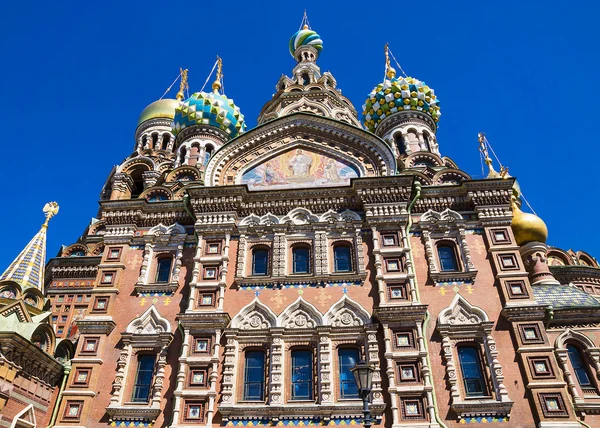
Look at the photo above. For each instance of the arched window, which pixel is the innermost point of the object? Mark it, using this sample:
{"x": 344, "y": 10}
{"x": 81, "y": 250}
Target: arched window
{"x": 208, "y": 152}
{"x": 165, "y": 141}
{"x": 143, "y": 378}
{"x": 400, "y": 143}
{"x": 342, "y": 258}
{"x": 302, "y": 375}
{"x": 305, "y": 79}
{"x": 300, "y": 260}
{"x": 426, "y": 140}
{"x": 254, "y": 376}
{"x": 260, "y": 261}
{"x": 472, "y": 371}
{"x": 163, "y": 269}
{"x": 182, "y": 153}
{"x": 447, "y": 256}
{"x": 579, "y": 367}
{"x": 348, "y": 358}
{"x": 154, "y": 141}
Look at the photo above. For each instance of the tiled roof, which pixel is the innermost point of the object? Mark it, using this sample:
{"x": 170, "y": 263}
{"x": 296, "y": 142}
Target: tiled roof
{"x": 564, "y": 296}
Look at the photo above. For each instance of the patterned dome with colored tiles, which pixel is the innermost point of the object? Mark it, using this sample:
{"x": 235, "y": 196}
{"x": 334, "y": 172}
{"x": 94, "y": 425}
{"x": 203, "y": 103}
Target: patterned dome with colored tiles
{"x": 214, "y": 109}
{"x": 393, "y": 95}
{"x": 305, "y": 37}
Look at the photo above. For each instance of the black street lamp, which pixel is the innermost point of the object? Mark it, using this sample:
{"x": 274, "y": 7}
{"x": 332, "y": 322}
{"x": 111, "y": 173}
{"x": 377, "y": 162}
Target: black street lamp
{"x": 363, "y": 375}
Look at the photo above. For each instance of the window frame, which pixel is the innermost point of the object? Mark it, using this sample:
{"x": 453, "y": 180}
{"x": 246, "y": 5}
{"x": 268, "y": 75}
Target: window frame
{"x": 577, "y": 370}
{"x": 478, "y": 364}
{"x": 105, "y": 274}
{"x": 310, "y": 381}
{"x": 253, "y": 270}
{"x": 210, "y": 277}
{"x": 295, "y": 250}
{"x": 157, "y": 276}
{"x": 68, "y": 405}
{"x": 88, "y": 340}
{"x": 199, "y": 339}
{"x": 136, "y": 384}
{"x": 81, "y": 384}
{"x": 109, "y": 253}
{"x": 346, "y": 247}
{"x": 350, "y": 380}
{"x": 451, "y": 246}
{"x": 262, "y": 383}
{"x": 394, "y": 237}
{"x": 210, "y": 244}
{"x": 187, "y": 405}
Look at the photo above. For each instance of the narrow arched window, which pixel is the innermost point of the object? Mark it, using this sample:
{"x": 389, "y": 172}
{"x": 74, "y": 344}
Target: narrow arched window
{"x": 472, "y": 371}
{"x": 154, "y": 141}
{"x": 300, "y": 260}
{"x": 163, "y": 270}
{"x": 342, "y": 258}
{"x": 302, "y": 375}
{"x": 400, "y": 143}
{"x": 254, "y": 376}
{"x": 208, "y": 152}
{"x": 260, "y": 261}
{"x": 579, "y": 366}
{"x": 166, "y": 138}
{"x": 447, "y": 256}
{"x": 143, "y": 379}
{"x": 347, "y": 359}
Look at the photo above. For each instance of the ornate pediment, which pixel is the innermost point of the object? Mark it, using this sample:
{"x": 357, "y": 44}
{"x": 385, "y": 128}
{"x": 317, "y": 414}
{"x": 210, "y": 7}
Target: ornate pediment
{"x": 254, "y": 316}
{"x": 347, "y": 313}
{"x": 300, "y": 151}
{"x": 300, "y": 314}
{"x": 149, "y": 323}
{"x": 299, "y": 167}
{"x": 461, "y": 312}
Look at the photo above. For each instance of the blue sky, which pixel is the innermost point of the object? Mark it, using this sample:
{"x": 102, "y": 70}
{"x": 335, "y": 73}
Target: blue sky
{"x": 76, "y": 75}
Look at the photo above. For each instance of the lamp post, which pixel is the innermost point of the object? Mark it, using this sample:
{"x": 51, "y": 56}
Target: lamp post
{"x": 363, "y": 375}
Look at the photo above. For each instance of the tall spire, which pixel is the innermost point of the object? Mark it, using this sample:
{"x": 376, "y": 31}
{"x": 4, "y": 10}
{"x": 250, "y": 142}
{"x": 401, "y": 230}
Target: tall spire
{"x": 183, "y": 84}
{"x": 218, "y": 83}
{"x": 28, "y": 268}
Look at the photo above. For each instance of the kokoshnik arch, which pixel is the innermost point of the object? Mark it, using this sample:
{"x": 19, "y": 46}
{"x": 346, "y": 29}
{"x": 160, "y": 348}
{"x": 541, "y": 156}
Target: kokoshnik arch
{"x": 234, "y": 277}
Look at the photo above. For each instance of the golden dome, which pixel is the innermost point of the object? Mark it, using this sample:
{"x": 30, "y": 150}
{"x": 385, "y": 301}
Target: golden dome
{"x": 164, "y": 108}
{"x": 528, "y": 227}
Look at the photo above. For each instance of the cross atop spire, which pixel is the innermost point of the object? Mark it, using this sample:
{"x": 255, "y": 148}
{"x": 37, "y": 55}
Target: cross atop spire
{"x": 28, "y": 268}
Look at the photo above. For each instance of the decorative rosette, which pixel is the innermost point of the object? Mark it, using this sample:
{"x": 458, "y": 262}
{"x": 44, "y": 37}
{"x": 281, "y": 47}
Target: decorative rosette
{"x": 212, "y": 109}
{"x": 305, "y": 37}
{"x": 394, "y": 95}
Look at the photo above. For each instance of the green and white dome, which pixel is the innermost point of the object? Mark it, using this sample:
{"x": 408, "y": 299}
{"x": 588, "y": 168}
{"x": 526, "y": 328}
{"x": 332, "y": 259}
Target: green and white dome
{"x": 209, "y": 108}
{"x": 305, "y": 37}
{"x": 395, "y": 95}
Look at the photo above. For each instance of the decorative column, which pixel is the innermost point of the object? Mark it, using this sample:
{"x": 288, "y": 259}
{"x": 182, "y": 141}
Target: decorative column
{"x": 279, "y": 254}
{"x": 465, "y": 248}
{"x": 276, "y": 385}
{"x": 324, "y": 381}
{"x": 241, "y": 257}
{"x": 360, "y": 256}
{"x": 159, "y": 378}
{"x": 144, "y": 271}
{"x": 122, "y": 186}
{"x": 321, "y": 250}
{"x": 150, "y": 178}
{"x": 373, "y": 355}
{"x": 391, "y": 374}
{"x": 378, "y": 265}
{"x": 210, "y": 411}
{"x": 228, "y": 385}
{"x": 224, "y": 264}
{"x": 195, "y": 274}
{"x": 120, "y": 378}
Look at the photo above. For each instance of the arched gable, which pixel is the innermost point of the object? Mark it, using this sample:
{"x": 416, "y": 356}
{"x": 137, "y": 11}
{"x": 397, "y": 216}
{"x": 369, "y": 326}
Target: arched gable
{"x": 337, "y": 152}
{"x": 575, "y": 336}
{"x": 300, "y": 314}
{"x": 346, "y": 313}
{"x": 461, "y": 312}
{"x": 254, "y": 316}
{"x": 150, "y": 322}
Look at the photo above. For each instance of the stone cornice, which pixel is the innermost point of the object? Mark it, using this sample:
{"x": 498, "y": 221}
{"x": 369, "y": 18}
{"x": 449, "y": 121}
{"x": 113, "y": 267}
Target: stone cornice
{"x": 391, "y": 314}
{"x": 576, "y": 274}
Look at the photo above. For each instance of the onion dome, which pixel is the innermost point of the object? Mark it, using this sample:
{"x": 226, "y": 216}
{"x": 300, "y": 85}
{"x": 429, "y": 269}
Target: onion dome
{"x": 213, "y": 109}
{"x": 305, "y": 37}
{"x": 161, "y": 109}
{"x": 526, "y": 227}
{"x": 394, "y": 95}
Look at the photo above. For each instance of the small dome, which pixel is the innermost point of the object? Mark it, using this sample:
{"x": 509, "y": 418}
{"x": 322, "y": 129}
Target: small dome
{"x": 213, "y": 109}
{"x": 164, "y": 108}
{"x": 528, "y": 227}
{"x": 394, "y": 95}
{"x": 305, "y": 37}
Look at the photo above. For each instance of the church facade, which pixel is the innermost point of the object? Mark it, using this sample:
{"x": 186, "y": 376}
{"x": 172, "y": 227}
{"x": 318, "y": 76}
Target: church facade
{"x": 235, "y": 277}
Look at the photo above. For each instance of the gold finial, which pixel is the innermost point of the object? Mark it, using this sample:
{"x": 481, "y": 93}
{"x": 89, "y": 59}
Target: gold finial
{"x": 389, "y": 70}
{"x": 217, "y": 83}
{"x": 183, "y": 84}
{"x": 50, "y": 210}
{"x": 304, "y": 24}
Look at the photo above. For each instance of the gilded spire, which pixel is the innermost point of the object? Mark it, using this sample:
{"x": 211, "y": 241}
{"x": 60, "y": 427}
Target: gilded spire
{"x": 390, "y": 72}
{"x": 28, "y": 268}
{"x": 488, "y": 161}
{"x": 183, "y": 84}
{"x": 217, "y": 84}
